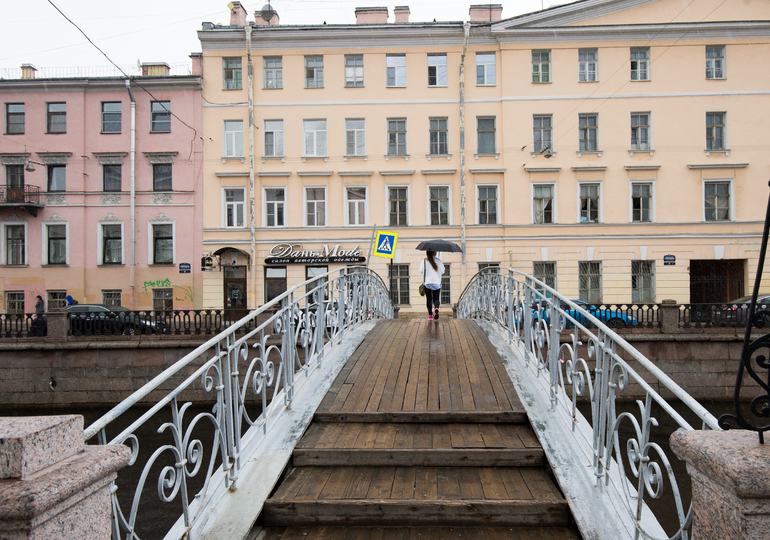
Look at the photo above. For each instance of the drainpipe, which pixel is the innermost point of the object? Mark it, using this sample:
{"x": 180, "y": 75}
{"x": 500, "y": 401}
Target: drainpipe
{"x": 466, "y": 29}
{"x": 132, "y": 227}
{"x": 252, "y": 197}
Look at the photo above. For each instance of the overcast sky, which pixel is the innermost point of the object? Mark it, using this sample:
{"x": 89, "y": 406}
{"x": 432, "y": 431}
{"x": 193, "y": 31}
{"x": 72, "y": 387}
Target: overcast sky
{"x": 165, "y": 31}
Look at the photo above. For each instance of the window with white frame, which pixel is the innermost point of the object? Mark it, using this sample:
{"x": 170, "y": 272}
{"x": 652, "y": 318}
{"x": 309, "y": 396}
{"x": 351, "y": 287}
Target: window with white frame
{"x": 57, "y": 178}
{"x": 641, "y": 202}
{"x": 446, "y": 285}
{"x": 235, "y": 207}
{"x": 56, "y": 244}
{"x": 160, "y": 117}
{"x": 485, "y": 69}
{"x": 643, "y": 282}
{"x": 14, "y": 302}
{"x": 487, "y": 205}
{"x": 14, "y": 118}
{"x": 589, "y": 203}
{"x": 588, "y": 65}
{"x": 355, "y": 137}
{"x": 542, "y": 203}
{"x": 541, "y": 66}
{"x": 314, "y": 71}
{"x": 232, "y": 74}
{"x": 56, "y": 117}
{"x": 542, "y": 132}
{"x": 439, "y": 205}
{"x": 56, "y": 300}
{"x": 715, "y": 131}
{"x": 112, "y": 177}
{"x": 354, "y": 70}
{"x": 640, "y": 63}
{"x": 397, "y": 136}
{"x": 356, "y": 201}
{"x": 396, "y": 70}
{"x": 640, "y": 131}
{"x": 315, "y": 206}
{"x": 717, "y": 201}
{"x": 545, "y": 271}
{"x": 275, "y": 199}
{"x": 589, "y": 132}
{"x": 590, "y": 281}
{"x": 439, "y": 134}
{"x": 163, "y": 299}
{"x": 15, "y": 237}
{"x": 486, "y": 135}
{"x": 111, "y": 117}
{"x": 437, "y": 70}
{"x": 314, "y": 140}
{"x": 162, "y": 243}
{"x": 715, "y": 61}
{"x": 112, "y": 297}
{"x": 272, "y": 72}
{"x": 233, "y": 138}
{"x": 397, "y": 205}
{"x": 273, "y": 138}
{"x": 112, "y": 243}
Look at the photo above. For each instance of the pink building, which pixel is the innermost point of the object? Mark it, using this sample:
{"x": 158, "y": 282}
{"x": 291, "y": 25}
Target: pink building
{"x": 100, "y": 191}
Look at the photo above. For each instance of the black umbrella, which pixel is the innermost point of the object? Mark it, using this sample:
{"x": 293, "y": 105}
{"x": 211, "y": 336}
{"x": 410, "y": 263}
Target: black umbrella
{"x": 439, "y": 245}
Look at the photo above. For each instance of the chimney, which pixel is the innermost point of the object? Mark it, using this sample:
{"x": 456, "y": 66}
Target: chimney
{"x": 267, "y": 16}
{"x": 401, "y": 13}
{"x": 372, "y": 15}
{"x": 486, "y": 12}
{"x": 197, "y": 63}
{"x": 28, "y": 71}
{"x": 155, "y": 69}
{"x": 237, "y": 14}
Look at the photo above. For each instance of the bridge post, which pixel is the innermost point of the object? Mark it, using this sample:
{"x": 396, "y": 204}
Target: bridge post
{"x": 669, "y": 316}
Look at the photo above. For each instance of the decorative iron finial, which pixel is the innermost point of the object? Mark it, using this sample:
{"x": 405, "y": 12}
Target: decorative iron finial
{"x": 760, "y": 405}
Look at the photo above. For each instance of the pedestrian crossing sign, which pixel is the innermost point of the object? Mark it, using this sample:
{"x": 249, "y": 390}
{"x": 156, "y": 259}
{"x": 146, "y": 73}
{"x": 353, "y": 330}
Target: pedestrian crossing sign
{"x": 385, "y": 244}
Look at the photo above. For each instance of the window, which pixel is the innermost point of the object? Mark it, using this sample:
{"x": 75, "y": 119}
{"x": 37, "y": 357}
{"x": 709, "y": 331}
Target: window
{"x": 397, "y": 200}
{"x": 356, "y": 197}
{"x": 715, "y": 131}
{"x": 314, "y": 272}
{"x": 355, "y": 137}
{"x": 589, "y": 132}
{"x": 396, "y": 70}
{"x": 545, "y": 271}
{"x": 112, "y": 177}
{"x": 111, "y": 117}
{"x": 399, "y": 283}
{"x": 162, "y": 243}
{"x": 235, "y": 207}
{"x": 641, "y": 202}
{"x": 15, "y": 245}
{"x": 274, "y": 138}
{"x": 112, "y": 297}
{"x": 272, "y": 72}
{"x": 494, "y": 265}
{"x": 542, "y": 203}
{"x": 315, "y": 138}
{"x": 315, "y": 204}
{"x": 438, "y": 137}
{"x": 485, "y": 135}
{"x": 541, "y": 66}
{"x": 542, "y": 133}
{"x": 640, "y": 131}
{"x": 160, "y": 117}
{"x": 233, "y": 138}
{"x": 314, "y": 72}
{"x": 437, "y": 70}
{"x": 163, "y": 299}
{"x": 161, "y": 177}
{"x": 232, "y": 74}
{"x": 715, "y": 62}
{"x": 57, "y": 178}
{"x": 588, "y": 65}
{"x": 590, "y": 281}
{"x": 112, "y": 245}
{"x": 439, "y": 205}
{"x": 14, "y": 302}
{"x": 57, "y": 300}
{"x": 643, "y": 282}
{"x": 354, "y": 70}
{"x": 14, "y": 118}
{"x": 717, "y": 201}
{"x": 275, "y": 282}
{"x": 485, "y": 69}
{"x": 589, "y": 203}
{"x": 14, "y": 177}
{"x": 274, "y": 207}
{"x": 56, "y": 117}
{"x": 57, "y": 244}
{"x": 487, "y": 205}
{"x": 640, "y": 63}
{"x": 396, "y": 136}
{"x": 446, "y": 285}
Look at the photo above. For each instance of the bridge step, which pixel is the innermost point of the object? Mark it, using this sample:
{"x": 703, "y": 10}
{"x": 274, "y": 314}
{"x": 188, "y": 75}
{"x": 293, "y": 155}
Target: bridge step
{"x": 516, "y": 416}
{"x": 419, "y": 533}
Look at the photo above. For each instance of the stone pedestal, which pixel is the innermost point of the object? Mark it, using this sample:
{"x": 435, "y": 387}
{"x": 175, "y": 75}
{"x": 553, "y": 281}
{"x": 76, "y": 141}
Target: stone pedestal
{"x": 668, "y": 315}
{"x": 52, "y": 486}
{"x": 57, "y": 325}
{"x": 730, "y": 473}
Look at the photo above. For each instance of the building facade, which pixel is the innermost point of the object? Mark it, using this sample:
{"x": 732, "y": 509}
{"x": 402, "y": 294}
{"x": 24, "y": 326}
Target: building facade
{"x": 610, "y": 147}
{"x": 101, "y": 190}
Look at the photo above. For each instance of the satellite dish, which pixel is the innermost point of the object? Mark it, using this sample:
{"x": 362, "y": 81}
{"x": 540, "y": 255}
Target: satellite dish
{"x": 267, "y": 12}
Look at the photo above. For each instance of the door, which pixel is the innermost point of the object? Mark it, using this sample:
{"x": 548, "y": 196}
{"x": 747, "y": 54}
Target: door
{"x": 275, "y": 282}
{"x": 235, "y": 292}
{"x": 716, "y": 281}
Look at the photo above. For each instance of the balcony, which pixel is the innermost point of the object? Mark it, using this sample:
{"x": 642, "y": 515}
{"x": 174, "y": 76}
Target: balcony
{"x": 25, "y": 197}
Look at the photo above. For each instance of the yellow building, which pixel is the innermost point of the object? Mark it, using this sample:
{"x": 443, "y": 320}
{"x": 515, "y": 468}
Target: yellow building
{"x": 611, "y": 147}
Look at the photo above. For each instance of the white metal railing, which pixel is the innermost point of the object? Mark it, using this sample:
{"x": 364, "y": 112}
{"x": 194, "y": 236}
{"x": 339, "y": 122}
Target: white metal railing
{"x": 236, "y": 369}
{"x": 535, "y": 317}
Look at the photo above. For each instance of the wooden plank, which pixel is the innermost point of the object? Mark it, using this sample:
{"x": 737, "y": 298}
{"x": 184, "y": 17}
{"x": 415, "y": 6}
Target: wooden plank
{"x": 340, "y": 399}
{"x": 421, "y": 394}
{"x": 448, "y": 483}
{"x": 467, "y": 372}
{"x": 436, "y": 417}
{"x": 359, "y": 483}
{"x": 330, "y": 435}
{"x": 490, "y": 436}
{"x": 403, "y": 356}
{"x": 510, "y": 435}
{"x": 358, "y": 374}
{"x": 311, "y": 436}
{"x": 349, "y": 435}
{"x": 425, "y": 486}
{"x": 410, "y": 389}
{"x": 527, "y": 436}
{"x": 471, "y": 436}
{"x": 366, "y": 381}
{"x": 289, "y": 487}
{"x": 435, "y": 352}
{"x": 492, "y": 484}
{"x": 441, "y": 436}
{"x": 515, "y": 485}
{"x": 456, "y": 436}
{"x": 399, "y": 391}
{"x": 403, "y": 483}
{"x": 379, "y": 375}
{"x": 423, "y": 437}
{"x": 541, "y": 487}
{"x": 312, "y": 487}
{"x": 425, "y": 457}
{"x": 337, "y": 484}
{"x": 444, "y": 395}
{"x": 455, "y": 393}
{"x": 501, "y": 382}
{"x": 404, "y": 436}
{"x": 386, "y": 436}
{"x": 381, "y": 485}
{"x": 367, "y": 436}
{"x": 486, "y": 392}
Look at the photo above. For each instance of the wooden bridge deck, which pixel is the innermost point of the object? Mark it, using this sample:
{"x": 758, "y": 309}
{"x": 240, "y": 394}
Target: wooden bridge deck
{"x": 422, "y": 436}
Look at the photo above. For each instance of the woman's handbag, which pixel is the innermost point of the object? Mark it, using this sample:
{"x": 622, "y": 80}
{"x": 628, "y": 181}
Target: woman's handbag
{"x": 422, "y": 285}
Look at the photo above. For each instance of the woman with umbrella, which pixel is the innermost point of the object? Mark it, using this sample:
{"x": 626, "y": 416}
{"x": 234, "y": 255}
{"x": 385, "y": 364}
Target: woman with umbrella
{"x": 432, "y": 269}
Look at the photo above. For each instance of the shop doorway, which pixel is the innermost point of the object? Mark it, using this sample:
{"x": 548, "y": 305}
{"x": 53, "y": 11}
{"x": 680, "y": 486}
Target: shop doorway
{"x": 235, "y": 291}
{"x": 275, "y": 282}
{"x": 714, "y": 282}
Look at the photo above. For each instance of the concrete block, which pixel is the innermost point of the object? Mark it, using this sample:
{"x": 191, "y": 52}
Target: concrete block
{"x": 673, "y": 350}
{"x": 709, "y": 350}
{"x": 28, "y": 444}
{"x": 114, "y": 358}
{"x": 83, "y": 359}
{"x": 713, "y": 366}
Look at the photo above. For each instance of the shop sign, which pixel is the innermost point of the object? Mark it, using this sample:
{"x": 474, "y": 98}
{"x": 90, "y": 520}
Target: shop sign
{"x": 294, "y": 254}
{"x": 669, "y": 260}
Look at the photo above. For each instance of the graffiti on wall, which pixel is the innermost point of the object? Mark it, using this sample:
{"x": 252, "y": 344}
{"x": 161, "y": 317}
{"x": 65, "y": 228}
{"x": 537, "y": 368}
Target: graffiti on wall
{"x": 166, "y": 283}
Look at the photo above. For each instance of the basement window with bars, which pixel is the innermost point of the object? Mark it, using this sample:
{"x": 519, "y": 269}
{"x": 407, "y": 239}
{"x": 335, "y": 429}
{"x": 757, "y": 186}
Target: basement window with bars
{"x": 590, "y": 281}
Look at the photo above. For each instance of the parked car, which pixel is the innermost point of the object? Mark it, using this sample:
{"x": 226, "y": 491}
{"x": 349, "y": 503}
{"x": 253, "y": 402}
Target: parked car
{"x": 614, "y": 318}
{"x": 736, "y": 311}
{"x": 87, "y": 319}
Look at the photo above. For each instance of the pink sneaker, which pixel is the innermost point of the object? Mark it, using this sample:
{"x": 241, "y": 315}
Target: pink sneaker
{"x": 430, "y": 317}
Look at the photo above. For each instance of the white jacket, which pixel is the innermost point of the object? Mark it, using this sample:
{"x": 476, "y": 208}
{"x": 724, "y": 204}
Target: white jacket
{"x": 432, "y": 276}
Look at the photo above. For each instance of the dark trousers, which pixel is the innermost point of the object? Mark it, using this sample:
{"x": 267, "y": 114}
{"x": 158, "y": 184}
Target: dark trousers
{"x": 433, "y": 299}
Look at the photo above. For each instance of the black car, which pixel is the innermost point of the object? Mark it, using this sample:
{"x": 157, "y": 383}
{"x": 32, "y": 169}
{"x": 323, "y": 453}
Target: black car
{"x": 89, "y": 319}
